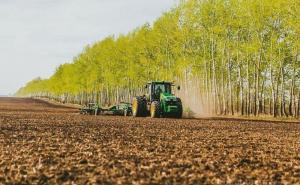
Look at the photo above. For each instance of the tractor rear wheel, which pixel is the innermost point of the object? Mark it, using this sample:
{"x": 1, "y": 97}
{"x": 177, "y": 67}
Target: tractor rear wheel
{"x": 155, "y": 109}
{"x": 139, "y": 107}
{"x": 180, "y": 110}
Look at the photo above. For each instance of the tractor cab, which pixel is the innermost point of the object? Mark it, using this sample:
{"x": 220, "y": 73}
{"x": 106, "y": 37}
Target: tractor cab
{"x": 155, "y": 89}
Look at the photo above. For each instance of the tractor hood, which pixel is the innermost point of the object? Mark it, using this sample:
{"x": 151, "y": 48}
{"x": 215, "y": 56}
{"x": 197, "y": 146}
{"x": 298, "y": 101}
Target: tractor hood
{"x": 167, "y": 97}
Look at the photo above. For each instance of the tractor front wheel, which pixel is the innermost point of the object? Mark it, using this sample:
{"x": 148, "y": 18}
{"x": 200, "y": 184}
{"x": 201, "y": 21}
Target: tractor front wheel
{"x": 155, "y": 109}
{"x": 139, "y": 107}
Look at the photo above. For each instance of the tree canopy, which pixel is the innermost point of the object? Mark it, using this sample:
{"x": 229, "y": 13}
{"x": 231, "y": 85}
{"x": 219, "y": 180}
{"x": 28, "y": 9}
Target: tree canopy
{"x": 230, "y": 56}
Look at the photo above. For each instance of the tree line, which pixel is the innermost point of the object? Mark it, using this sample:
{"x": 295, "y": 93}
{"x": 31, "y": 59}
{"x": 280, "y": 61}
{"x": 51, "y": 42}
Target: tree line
{"x": 232, "y": 57}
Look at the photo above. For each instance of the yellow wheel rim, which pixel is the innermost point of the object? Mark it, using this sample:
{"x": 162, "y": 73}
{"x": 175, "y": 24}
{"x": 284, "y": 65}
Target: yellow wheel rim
{"x": 134, "y": 106}
{"x": 152, "y": 110}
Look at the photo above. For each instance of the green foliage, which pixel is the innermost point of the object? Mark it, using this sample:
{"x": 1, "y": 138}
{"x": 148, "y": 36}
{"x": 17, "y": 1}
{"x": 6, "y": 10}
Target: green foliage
{"x": 244, "y": 54}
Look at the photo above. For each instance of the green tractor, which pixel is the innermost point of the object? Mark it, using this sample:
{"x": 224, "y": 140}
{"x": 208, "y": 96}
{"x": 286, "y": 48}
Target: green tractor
{"x": 158, "y": 102}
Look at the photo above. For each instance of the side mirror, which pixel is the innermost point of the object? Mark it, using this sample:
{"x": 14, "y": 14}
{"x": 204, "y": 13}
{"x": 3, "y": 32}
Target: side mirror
{"x": 178, "y": 88}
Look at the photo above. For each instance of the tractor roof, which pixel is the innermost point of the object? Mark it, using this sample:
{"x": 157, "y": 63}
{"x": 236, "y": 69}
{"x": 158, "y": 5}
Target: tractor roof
{"x": 160, "y": 82}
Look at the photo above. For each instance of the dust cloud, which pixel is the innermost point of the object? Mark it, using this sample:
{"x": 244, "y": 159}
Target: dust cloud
{"x": 196, "y": 103}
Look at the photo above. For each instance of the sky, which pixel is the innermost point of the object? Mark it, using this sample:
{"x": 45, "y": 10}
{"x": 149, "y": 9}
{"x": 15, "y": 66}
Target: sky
{"x": 38, "y": 35}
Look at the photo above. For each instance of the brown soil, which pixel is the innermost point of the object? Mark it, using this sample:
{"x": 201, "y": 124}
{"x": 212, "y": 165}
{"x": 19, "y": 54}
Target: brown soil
{"x": 41, "y": 143}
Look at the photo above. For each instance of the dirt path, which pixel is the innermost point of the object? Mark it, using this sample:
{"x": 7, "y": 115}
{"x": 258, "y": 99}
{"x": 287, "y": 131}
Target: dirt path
{"x": 42, "y": 143}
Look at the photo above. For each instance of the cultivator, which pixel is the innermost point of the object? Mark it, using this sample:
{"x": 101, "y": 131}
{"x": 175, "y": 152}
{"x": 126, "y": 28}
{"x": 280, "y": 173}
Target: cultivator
{"x": 121, "y": 109}
{"x": 90, "y": 109}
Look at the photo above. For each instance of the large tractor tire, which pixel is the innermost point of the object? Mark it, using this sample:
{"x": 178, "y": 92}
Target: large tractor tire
{"x": 155, "y": 109}
{"x": 139, "y": 107}
{"x": 180, "y": 109}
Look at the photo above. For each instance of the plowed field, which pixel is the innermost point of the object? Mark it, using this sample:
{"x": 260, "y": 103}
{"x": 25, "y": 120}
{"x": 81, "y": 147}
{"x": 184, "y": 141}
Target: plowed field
{"x": 41, "y": 143}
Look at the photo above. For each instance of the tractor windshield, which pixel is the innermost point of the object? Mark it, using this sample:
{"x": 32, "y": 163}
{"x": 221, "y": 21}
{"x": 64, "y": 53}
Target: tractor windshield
{"x": 162, "y": 88}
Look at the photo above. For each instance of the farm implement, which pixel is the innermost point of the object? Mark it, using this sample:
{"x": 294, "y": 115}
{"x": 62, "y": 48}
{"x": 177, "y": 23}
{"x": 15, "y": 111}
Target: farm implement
{"x": 90, "y": 109}
{"x": 121, "y": 109}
